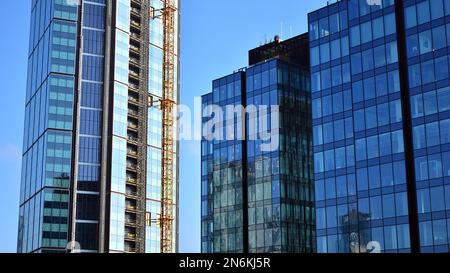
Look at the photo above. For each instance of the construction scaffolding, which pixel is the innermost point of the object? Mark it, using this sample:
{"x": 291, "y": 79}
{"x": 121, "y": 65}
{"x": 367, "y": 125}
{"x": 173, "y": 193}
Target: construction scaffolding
{"x": 167, "y": 108}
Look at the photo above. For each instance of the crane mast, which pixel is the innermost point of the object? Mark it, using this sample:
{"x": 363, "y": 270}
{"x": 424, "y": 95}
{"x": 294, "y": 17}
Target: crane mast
{"x": 167, "y": 108}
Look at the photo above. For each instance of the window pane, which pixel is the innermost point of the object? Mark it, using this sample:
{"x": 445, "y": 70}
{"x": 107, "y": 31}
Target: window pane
{"x": 336, "y": 75}
{"x": 360, "y": 149}
{"x": 367, "y": 60}
{"x": 372, "y": 142}
{"x": 325, "y": 53}
{"x": 344, "y": 46}
{"x": 419, "y": 137}
{"x": 325, "y": 79}
{"x": 343, "y": 19}
{"x": 359, "y": 120}
{"x": 323, "y": 27}
{"x": 397, "y": 142}
{"x": 389, "y": 24}
{"x": 401, "y": 204}
{"x": 357, "y": 92}
{"x": 388, "y": 206}
{"x": 430, "y": 103}
{"x": 417, "y": 106}
{"x": 395, "y": 111}
{"x": 435, "y": 166}
{"x": 330, "y": 189}
{"x": 439, "y": 40}
{"x": 331, "y": 217}
{"x": 421, "y": 165}
{"x": 371, "y": 117}
{"x": 375, "y": 208}
{"x": 427, "y": 72}
{"x": 317, "y": 108}
{"x": 366, "y": 32}
{"x": 321, "y": 218}
{"x": 315, "y": 82}
{"x": 381, "y": 85}
{"x": 441, "y": 68}
{"x": 339, "y": 130}
{"x": 383, "y": 114}
{"x": 319, "y": 190}
{"x": 393, "y": 81}
{"x": 340, "y": 156}
{"x": 374, "y": 177}
{"x": 403, "y": 236}
{"x": 354, "y": 36}
{"x": 443, "y": 96}
{"x": 315, "y": 56}
{"x": 314, "y": 30}
{"x": 369, "y": 88}
{"x": 379, "y": 54}
{"x": 329, "y": 160}
{"x": 335, "y": 49}
{"x": 400, "y": 172}
{"x": 414, "y": 76}
{"x": 391, "y": 53}
{"x": 423, "y": 200}
{"x": 426, "y": 234}
{"x": 318, "y": 162}
{"x": 440, "y": 232}
{"x": 410, "y": 16}
{"x": 445, "y": 131}
{"x": 356, "y": 63}
{"x": 337, "y": 103}
{"x": 318, "y": 136}
{"x": 385, "y": 144}
{"x": 423, "y": 12}
{"x": 341, "y": 186}
{"x": 412, "y": 43}
{"x": 327, "y": 106}
{"x": 334, "y": 23}
{"x": 390, "y": 237}
{"x": 378, "y": 28}
{"x": 437, "y": 9}
{"x": 346, "y": 73}
{"x": 446, "y": 167}
{"x": 425, "y": 42}
{"x": 387, "y": 179}
{"x": 432, "y": 133}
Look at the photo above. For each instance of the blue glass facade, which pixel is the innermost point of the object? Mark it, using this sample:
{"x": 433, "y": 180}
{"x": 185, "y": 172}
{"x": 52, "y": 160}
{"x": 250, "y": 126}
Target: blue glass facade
{"x": 361, "y": 96}
{"x": 88, "y": 167}
{"x": 427, "y": 30}
{"x": 222, "y": 176}
{"x": 253, "y": 199}
{"x": 46, "y": 164}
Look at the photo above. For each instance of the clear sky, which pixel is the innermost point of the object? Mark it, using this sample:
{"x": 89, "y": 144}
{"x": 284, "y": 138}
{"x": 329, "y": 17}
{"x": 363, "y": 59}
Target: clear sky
{"x": 216, "y": 36}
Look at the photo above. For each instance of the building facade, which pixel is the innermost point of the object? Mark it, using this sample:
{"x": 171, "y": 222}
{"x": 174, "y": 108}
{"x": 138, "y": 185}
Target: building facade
{"x": 91, "y": 170}
{"x": 380, "y": 110}
{"x": 256, "y": 199}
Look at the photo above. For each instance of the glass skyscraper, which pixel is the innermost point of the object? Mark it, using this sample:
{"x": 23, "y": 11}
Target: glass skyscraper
{"x": 91, "y": 170}
{"x": 257, "y": 200}
{"x": 381, "y": 125}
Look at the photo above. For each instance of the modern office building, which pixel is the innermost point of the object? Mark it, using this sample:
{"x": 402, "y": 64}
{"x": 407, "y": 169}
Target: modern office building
{"x": 257, "y": 199}
{"x": 98, "y": 174}
{"x": 381, "y": 125}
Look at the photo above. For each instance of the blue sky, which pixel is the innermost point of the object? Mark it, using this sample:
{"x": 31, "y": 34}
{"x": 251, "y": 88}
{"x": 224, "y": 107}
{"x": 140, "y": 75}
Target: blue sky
{"x": 216, "y": 36}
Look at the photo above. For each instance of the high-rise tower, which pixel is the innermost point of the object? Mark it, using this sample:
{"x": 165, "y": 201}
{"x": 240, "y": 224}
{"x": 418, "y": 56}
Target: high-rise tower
{"x": 102, "y": 88}
{"x": 256, "y": 198}
{"x": 381, "y": 121}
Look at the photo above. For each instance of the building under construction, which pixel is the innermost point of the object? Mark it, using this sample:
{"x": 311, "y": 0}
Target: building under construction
{"x": 100, "y": 151}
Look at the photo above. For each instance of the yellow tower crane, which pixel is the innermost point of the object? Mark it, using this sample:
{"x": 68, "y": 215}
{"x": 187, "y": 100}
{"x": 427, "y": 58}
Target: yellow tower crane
{"x": 167, "y": 14}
